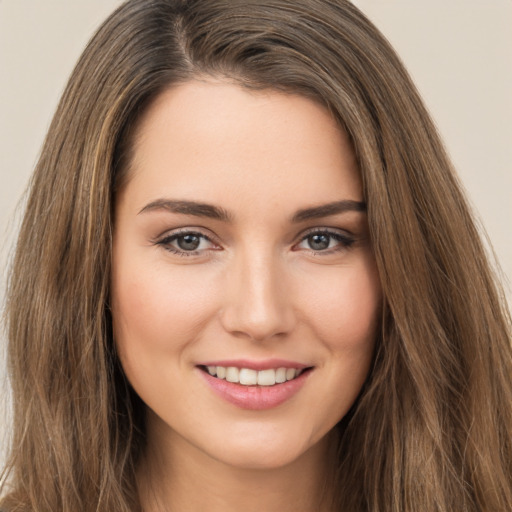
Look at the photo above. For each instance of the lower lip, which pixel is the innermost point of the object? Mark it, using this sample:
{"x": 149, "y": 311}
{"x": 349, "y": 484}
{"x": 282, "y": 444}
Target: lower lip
{"x": 256, "y": 398}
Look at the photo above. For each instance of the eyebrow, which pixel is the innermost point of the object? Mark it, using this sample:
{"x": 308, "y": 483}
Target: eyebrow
{"x": 188, "y": 208}
{"x": 214, "y": 212}
{"x": 325, "y": 210}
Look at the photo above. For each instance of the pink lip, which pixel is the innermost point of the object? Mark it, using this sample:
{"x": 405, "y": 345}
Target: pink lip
{"x": 267, "y": 364}
{"x": 255, "y": 397}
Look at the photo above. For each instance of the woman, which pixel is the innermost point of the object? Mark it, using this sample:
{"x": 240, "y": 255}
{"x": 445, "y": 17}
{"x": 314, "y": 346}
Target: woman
{"x": 247, "y": 277}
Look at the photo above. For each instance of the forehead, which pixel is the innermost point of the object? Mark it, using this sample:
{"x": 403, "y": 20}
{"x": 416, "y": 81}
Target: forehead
{"x": 218, "y": 142}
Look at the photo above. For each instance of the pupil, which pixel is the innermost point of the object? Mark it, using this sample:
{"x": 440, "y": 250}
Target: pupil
{"x": 188, "y": 242}
{"x": 319, "y": 242}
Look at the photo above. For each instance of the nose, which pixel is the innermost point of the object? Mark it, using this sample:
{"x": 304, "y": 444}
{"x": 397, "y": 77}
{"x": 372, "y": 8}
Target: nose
{"x": 257, "y": 302}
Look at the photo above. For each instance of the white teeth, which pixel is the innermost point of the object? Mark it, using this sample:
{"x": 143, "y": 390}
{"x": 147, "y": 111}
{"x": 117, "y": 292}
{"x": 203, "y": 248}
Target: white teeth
{"x": 232, "y": 374}
{"x": 248, "y": 377}
{"x": 266, "y": 377}
{"x": 281, "y": 375}
{"x": 290, "y": 373}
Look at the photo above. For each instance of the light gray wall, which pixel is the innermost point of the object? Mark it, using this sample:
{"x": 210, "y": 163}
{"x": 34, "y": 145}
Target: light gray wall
{"x": 458, "y": 51}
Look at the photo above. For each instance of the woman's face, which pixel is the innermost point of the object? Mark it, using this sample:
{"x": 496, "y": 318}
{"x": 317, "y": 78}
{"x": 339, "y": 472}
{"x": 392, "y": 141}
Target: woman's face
{"x": 244, "y": 291}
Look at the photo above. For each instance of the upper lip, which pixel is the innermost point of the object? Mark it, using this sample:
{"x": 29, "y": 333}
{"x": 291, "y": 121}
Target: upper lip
{"x": 265, "y": 364}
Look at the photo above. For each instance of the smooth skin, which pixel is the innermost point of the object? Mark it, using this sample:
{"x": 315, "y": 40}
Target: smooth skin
{"x": 259, "y": 273}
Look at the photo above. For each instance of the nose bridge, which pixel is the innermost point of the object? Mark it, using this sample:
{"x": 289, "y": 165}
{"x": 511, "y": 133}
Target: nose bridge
{"x": 257, "y": 303}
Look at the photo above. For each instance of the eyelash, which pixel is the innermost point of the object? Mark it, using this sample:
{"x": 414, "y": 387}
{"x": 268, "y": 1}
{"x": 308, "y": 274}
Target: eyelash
{"x": 167, "y": 240}
{"x": 345, "y": 241}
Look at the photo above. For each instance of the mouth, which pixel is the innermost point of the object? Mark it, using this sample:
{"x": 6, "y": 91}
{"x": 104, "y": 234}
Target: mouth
{"x": 250, "y": 377}
{"x": 264, "y": 386}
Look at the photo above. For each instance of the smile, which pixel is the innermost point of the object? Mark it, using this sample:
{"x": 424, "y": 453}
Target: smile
{"x": 250, "y": 377}
{"x": 254, "y": 389}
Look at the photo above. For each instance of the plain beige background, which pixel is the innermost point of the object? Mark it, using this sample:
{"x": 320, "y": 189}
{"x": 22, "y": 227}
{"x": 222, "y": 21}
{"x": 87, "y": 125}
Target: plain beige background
{"x": 459, "y": 52}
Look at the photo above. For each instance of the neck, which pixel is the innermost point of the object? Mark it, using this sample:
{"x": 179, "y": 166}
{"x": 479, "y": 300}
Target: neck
{"x": 176, "y": 476}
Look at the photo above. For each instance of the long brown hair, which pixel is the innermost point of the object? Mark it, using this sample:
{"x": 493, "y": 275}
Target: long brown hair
{"x": 432, "y": 429}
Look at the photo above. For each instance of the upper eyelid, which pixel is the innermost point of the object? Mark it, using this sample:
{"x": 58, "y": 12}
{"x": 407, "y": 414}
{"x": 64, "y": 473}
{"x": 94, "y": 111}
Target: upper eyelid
{"x": 345, "y": 238}
{"x": 167, "y": 240}
{"x": 170, "y": 233}
{"x": 333, "y": 231}
{"x": 213, "y": 238}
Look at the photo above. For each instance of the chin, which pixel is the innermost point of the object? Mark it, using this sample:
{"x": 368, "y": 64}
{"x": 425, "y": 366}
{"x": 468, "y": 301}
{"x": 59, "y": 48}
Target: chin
{"x": 269, "y": 454}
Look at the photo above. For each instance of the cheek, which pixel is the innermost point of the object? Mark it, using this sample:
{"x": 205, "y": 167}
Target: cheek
{"x": 345, "y": 307}
{"x": 346, "y": 320}
{"x": 156, "y": 311}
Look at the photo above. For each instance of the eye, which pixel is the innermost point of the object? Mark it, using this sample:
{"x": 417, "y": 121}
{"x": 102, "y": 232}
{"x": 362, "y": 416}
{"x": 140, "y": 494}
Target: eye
{"x": 190, "y": 242}
{"x": 325, "y": 241}
{"x": 187, "y": 243}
